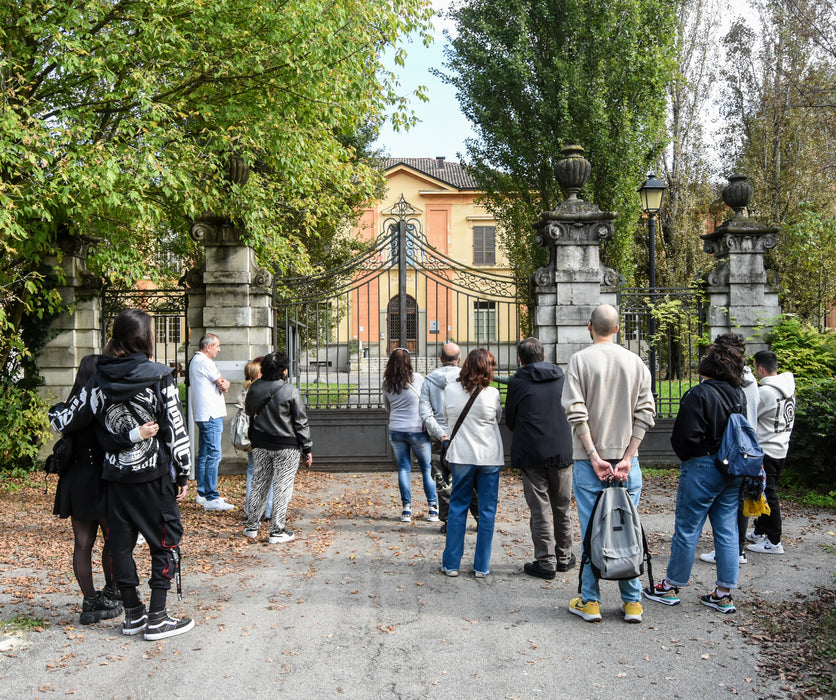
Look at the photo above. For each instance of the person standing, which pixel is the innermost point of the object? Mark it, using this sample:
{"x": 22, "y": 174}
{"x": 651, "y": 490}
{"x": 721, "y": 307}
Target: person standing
{"x": 608, "y": 402}
{"x": 431, "y": 412}
{"x": 401, "y": 393}
{"x": 207, "y": 389}
{"x": 776, "y": 417}
{"x": 81, "y": 496}
{"x": 132, "y": 394}
{"x": 279, "y": 434}
{"x": 252, "y": 371}
{"x": 704, "y": 491}
{"x": 475, "y": 454}
{"x": 542, "y": 451}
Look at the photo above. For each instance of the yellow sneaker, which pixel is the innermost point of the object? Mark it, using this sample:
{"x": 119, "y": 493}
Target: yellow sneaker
{"x": 632, "y": 612}
{"x": 589, "y": 611}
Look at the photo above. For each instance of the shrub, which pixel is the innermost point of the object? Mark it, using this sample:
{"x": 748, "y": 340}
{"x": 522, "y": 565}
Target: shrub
{"x": 803, "y": 350}
{"x": 23, "y": 428}
{"x": 813, "y": 442}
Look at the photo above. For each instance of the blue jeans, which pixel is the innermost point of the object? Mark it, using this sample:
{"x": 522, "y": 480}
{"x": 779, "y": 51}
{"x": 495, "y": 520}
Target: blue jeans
{"x": 208, "y": 457}
{"x": 250, "y": 468}
{"x": 420, "y": 445}
{"x": 705, "y": 492}
{"x": 486, "y": 481}
{"x": 587, "y": 487}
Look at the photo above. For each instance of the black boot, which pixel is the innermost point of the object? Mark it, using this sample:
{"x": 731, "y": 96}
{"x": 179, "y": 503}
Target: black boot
{"x": 112, "y": 592}
{"x": 162, "y": 625}
{"x": 135, "y": 620}
{"x": 98, "y": 607}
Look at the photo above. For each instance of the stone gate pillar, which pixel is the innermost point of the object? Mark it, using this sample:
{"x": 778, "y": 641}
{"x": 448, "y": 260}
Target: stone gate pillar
{"x": 232, "y": 298}
{"x": 569, "y": 287}
{"x": 743, "y": 299}
{"x": 78, "y": 333}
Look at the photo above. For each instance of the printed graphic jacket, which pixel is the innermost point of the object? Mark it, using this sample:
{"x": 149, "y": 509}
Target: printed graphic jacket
{"x": 125, "y": 393}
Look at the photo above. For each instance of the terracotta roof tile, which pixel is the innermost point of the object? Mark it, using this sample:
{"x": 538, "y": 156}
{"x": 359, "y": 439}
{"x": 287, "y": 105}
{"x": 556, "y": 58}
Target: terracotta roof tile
{"x": 448, "y": 172}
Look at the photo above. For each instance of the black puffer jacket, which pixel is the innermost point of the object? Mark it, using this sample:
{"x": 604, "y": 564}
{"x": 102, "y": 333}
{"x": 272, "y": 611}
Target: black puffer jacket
{"x": 280, "y": 423}
{"x": 699, "y": 425}
{"x": 542, "y": 435}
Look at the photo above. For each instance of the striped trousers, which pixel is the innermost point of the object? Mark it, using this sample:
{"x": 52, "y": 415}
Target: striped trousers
{"x": 276, "y": 467}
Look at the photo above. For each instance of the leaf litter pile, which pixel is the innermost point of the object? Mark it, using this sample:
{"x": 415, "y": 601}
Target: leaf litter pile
{"x": 798, "y": 642}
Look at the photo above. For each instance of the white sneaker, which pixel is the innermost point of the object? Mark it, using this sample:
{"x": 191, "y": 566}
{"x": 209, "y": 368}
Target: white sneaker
{"x": 252, "y": 534}
{"x": 765, "y": 546}
{"x": 753, "y": 537}
{"x": 200, "y": 500}
{"x": 218, "y": 504}
{"x": 711, "y": 558}
{"x": 281, "y": 537}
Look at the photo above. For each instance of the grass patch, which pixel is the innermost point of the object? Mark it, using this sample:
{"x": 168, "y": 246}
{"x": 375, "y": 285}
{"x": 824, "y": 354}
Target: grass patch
{"x": 316, "y": 395}
{"x": 21, "y": 622}
{"x": 807, "y": 496}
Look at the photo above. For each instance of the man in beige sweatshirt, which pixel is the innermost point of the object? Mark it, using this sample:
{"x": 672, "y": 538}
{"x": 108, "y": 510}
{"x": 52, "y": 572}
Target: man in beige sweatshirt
{"x": 608, "y": 401}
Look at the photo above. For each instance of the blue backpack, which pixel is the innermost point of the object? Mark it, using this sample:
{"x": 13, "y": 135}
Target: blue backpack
{"x": 740, "y": 453}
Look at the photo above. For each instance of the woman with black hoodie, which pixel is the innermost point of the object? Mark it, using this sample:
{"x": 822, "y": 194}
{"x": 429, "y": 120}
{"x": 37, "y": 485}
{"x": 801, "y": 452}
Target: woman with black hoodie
{"x": 705, "y": 492}
{"x": 131, "y": 394}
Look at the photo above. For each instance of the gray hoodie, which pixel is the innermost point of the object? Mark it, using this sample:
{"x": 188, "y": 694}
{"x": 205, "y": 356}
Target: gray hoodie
{"x": 776, "y": 414}
{"x": 431, "y": 404}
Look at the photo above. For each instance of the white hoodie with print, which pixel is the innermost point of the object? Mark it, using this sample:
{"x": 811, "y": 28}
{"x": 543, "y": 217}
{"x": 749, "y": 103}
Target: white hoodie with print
{"x": 776, "y": 414}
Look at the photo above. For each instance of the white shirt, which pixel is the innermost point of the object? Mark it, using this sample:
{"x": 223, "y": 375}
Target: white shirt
{"x": 207, "y": 401}
{"x": 478, "y": 440}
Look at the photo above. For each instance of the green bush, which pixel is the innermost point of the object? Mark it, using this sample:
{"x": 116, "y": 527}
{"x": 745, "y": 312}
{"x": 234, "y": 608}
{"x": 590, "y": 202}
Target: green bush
{"x": 23, "y": 428}
{"x": 813, "y": 442}
{"x": 809, "y": 354}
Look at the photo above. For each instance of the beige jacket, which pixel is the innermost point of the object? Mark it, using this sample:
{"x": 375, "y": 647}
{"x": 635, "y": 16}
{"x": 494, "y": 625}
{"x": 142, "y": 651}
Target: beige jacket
{"x": 607, "y": 393}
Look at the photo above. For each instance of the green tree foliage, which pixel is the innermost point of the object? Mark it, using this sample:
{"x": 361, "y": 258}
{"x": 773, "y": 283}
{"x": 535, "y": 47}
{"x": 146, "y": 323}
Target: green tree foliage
{"x": 120, "y": 116}
{"x": 805, "y": 264}
{"x": 778, "y": 103}
{"x": 536, "y": 75}
{"x": 686, "y": 163}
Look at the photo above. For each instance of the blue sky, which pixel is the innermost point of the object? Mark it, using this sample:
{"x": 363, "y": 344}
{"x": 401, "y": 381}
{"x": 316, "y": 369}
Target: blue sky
{"x": 443, "y": 128}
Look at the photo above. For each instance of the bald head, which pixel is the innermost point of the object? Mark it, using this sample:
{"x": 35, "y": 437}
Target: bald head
{"x": 450, "y": 354}
{"x": 604, "y": 321}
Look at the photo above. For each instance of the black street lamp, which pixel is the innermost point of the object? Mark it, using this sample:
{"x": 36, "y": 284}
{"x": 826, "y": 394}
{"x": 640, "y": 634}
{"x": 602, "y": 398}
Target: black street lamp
{"x": 651, "y": 193}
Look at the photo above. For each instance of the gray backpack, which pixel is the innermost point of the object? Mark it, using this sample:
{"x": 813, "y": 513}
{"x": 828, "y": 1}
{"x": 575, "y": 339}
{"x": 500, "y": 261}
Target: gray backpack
{"x": 615, "y": 545}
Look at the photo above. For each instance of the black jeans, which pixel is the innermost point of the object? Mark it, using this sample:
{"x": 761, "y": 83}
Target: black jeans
{"x": 770, "y": 525}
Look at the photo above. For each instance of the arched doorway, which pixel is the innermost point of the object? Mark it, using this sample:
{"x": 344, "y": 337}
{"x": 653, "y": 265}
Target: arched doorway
{"x": 393, "y": 320}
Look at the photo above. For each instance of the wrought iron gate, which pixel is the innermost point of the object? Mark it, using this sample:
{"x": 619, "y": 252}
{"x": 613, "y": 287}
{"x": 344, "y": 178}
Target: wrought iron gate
{"x": 339, "y": 327}
{"x": 665, "y": 327}
{"x": 169, "y": 309}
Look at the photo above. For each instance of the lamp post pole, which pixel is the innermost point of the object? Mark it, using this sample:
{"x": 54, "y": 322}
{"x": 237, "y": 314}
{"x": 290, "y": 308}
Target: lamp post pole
{"x": 651, "y": 248}
{"x": 651, "y": 193}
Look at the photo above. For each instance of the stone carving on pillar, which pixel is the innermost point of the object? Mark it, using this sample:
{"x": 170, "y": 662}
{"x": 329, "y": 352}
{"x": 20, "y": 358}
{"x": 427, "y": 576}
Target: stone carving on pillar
{"x": 743, "y": 295}
{"x": 213, "y": 230}
{"x": 569, "y": 286}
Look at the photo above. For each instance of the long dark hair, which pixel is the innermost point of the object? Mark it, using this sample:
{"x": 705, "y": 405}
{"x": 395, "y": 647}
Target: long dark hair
{"x": 398, "y": 372}
{"x": 725, "y": 359}
{"x": 478, "y": 369}
{"x": 133, "y": 332}
{"x": 86, "y": 369}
